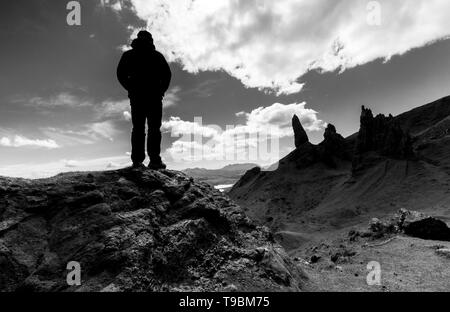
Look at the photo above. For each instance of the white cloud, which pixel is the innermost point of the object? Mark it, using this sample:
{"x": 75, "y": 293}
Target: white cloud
{"x": 111, "y": 109}
{"x": 270, "y": 44}
{"x": 85, "y": 134}
{"x": 71, "y": 163}
{"x": 104, "y": 116}
{"x": 108, "y": 109}
{"x": 114, "y": 109}
{"x": 178, "y": 127}
{"x": 263, "y": 124}
{"x": 62, "y": 99}
{"x": 21, "y": 141}
{"x": 171, "y": 98}
{"x": 117, "y": 6}
{"x": 127, "y": 115}
{"x": 281, "y": 115}
{"x": 114, "y": 5}
{"x": 68, "y": 137}
{"x": 103, "y": 129}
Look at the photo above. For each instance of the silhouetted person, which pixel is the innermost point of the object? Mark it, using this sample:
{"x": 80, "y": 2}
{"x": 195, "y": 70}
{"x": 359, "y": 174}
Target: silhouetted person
{"x": 145, "y": 74}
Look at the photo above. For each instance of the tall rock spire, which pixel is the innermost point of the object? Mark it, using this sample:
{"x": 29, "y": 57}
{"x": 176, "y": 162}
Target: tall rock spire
{"x": 299, "y": 133}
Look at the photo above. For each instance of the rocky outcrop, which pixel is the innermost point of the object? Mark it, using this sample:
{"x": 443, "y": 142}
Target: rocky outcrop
{"x": 411, "y": 223}
{"x": 300, "y": 135}
{"x": 422, "y": 226}
{"x": 133, "y": 230}
{"x": 334, "y": 144}
{"x": 330, "y": 151}
{"x": 383, "y": 135}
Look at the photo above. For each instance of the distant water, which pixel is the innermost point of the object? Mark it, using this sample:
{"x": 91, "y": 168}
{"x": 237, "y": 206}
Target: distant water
{"x": 223, "y": 187}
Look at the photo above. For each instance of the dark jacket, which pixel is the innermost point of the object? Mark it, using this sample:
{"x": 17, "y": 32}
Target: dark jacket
{"x": 143, "y": 71}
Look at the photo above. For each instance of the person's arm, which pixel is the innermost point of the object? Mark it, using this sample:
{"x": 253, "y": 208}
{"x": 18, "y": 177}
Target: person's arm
{"x": 122, "y": 71}
{"x": 166, "y": 75}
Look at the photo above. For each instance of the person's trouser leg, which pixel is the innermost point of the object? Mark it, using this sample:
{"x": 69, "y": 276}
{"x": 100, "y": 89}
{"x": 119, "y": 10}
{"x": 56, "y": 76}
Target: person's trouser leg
{"x": 138, "y": 117}
{"x": 154, "y": 117}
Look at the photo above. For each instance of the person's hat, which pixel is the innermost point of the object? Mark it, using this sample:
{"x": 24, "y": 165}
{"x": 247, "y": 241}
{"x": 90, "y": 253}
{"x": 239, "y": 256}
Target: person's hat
{"x": 145, "y": 35}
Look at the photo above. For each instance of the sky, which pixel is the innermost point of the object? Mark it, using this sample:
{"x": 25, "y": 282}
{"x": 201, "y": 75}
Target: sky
{"x": 241, "y": 69}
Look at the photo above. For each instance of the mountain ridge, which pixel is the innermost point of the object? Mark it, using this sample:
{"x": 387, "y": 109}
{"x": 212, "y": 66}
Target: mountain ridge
{"x": 394, "y": 162}
{"x": 222, "y": 178}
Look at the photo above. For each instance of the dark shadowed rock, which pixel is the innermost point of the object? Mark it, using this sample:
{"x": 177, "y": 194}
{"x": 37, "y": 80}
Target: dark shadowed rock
{"x": 334, "y": 144}
{"x": 134, "y": 230}
{"x": 330, "y": 151}
{"x": 300, "y": 135}
{"x": 428, "y": 228}
{"x": 411, "y": 223}
{"x": 330, "y": 132}
{"x": 302, "y": 157}
{"x": 422, "y": 226}
{"x": 383, "y": 135}
{"x": 248, "y": 176}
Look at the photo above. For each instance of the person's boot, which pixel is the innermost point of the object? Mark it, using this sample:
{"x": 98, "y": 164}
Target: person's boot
{"x": 157, "y": 165}
{"x": 138, "y": 166}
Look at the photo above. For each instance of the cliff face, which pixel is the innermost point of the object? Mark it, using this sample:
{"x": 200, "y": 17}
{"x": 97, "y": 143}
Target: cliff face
{"x": 134, "y": 230}
{"x": 383, "y": 135}
{"x": 378, "y": 138}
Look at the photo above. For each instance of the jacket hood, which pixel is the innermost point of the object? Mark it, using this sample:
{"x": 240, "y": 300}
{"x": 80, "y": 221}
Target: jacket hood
{"x": 140, "y": 43}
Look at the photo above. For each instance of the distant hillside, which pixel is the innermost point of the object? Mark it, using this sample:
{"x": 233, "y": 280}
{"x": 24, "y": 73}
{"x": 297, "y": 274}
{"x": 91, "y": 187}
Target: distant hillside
{"x": 239, "y": 167}
{"x": 223, "y": 178}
